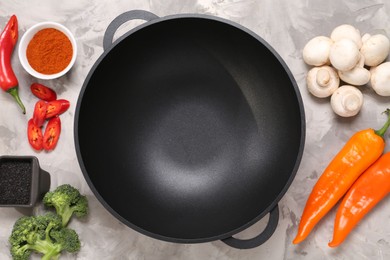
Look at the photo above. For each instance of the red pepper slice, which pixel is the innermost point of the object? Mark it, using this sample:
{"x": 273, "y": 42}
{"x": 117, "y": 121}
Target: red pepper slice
{"x": 39, "y": 115}
{"x": 43, "y": 92}
{"x": 8, "y": 80}
{"x": 34, "y": 134}
{"x": 56, "y": 107}
{"x": 52, "y": 133}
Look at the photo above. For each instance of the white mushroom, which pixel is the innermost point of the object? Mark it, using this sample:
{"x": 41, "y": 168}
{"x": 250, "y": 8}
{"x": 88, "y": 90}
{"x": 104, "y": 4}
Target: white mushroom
{"x": 346, "y": 101}
{"x": 380, "y": 79}
{"x": 316, "y": 51}
{"x": 344, "y": 55}
{"x": 365, "y": 37}
{"x": 375, "y": 49}
{"x": 346, "y": 31}
{"x": 322, "y": 81}
{"x": 357, "y": 76}
{"x": 360, "y": 63}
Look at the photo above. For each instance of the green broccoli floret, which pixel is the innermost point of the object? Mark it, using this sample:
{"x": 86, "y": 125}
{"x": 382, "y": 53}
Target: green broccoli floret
{"x": 42, "y": 234}
{"x": 67, "y": 201}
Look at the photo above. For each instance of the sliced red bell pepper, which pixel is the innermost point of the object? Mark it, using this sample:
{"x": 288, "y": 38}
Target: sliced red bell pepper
{"x": 39, "y": 115}
{"x": 52, "y": 133}
{"x": 43, "y": 92}
{"x": 8, "y": 81}
{"x": 56, "y": 107}
{"x": 34, "y": 134}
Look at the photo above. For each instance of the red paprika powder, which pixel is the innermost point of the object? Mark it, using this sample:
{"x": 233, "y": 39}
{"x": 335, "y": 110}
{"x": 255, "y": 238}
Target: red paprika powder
{"x": 49, "y": 51}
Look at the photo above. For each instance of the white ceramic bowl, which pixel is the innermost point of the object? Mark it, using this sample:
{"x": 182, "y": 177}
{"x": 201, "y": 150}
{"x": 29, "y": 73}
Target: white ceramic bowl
{"x": 26, "y": 38}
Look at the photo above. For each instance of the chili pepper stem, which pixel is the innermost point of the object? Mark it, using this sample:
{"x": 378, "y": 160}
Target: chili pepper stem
{"x": 384, "y": 128}
{"x": 14, "y": 93}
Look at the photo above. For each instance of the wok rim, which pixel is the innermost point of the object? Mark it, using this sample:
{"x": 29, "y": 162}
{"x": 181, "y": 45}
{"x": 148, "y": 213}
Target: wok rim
{"x": 244, "y": 226}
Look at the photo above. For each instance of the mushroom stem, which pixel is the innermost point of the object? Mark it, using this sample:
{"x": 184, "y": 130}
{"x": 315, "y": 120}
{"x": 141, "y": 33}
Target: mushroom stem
{"x": 323, "y": 77}
{"x": 322, "y": 81}
{"x": 350, "y": 102}
{"x": 346, "y": 101}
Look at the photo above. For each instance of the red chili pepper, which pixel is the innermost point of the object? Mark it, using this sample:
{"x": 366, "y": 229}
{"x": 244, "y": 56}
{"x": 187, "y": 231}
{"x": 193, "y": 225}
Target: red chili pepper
{"x": 56, "y": 107}
{"x": 43, "y": 92}
{"x": 371, "y": 187}
{"x": 8, "y": 80}
{"x": 52, "y": 133}
{"x": 34, "y": 134}
{"x": 39, "y": 115}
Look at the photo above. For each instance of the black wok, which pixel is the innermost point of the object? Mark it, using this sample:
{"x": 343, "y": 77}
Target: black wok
{"x": 189, "y": 128}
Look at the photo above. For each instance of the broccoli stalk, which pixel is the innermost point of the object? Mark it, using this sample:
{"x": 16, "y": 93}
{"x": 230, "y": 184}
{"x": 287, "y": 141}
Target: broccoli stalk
{"x": 46, "y": 246}
{"x": 42, "y": 234}
{"x": 67, "y": 201}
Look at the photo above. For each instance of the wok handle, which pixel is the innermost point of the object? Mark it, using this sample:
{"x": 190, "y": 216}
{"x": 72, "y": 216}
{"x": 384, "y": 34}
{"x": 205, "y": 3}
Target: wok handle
{"x": 121, "y": 19}
{"x": 259, "y": 239}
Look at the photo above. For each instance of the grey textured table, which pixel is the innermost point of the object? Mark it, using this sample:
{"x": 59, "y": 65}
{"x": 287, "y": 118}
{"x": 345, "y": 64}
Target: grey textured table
{"x": 287, "y": 26}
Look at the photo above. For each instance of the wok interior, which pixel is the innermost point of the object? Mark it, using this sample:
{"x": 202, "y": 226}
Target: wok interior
{"x": 189, "y": 129}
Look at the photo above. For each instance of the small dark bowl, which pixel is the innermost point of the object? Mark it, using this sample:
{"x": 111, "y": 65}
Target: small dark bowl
{"x": 22, "y": 182}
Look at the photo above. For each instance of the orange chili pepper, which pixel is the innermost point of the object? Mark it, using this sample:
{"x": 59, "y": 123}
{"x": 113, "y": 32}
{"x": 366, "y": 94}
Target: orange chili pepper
{"x": 361, "y": 150}
{"x": 370, "y": 188}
